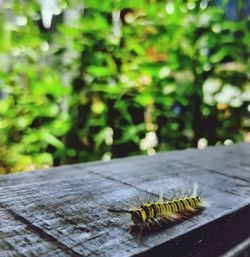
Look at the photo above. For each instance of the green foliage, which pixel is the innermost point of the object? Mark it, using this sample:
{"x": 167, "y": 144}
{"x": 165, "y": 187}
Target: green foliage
{"x": 119, "y": 78}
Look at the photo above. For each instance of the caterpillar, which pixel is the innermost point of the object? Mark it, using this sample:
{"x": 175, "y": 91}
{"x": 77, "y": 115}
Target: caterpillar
{"x": 160, "y": 212}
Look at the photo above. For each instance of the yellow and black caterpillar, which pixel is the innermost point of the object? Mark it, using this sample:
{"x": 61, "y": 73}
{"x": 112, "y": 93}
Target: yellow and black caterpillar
{"x": 163, "y": 212}
{"x": 169, "y": 210}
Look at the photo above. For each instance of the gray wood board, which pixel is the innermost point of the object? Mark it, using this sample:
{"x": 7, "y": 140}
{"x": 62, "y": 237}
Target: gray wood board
{"x": 19, "y": 239}
{"x": 64, "y": 210}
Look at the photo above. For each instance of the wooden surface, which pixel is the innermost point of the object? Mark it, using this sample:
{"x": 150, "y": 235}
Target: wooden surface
{"x": 63, "y": 211}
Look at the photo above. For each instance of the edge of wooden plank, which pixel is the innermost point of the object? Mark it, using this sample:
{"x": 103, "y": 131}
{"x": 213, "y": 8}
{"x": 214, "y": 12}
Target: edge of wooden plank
{"x": 218, "y": 237}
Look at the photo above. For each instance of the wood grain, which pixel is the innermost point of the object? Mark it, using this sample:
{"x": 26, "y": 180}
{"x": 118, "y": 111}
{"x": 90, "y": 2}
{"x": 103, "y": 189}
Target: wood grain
{"x": 63, "y": 211}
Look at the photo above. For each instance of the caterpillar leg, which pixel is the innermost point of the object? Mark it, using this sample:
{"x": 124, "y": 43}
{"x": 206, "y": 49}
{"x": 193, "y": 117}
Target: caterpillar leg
{"x": 157, "y": 222}
{"x": 152, "y": 222}
{"x": 163, "y": 220}
{"x": 148, "y": 225}
{"x": 141, "y": 229}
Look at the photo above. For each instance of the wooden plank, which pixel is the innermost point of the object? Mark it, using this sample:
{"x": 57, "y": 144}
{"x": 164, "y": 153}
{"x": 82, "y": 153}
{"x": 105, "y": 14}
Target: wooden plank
{"x": 66, "y": 207}
{"x": 242, "y": 249}
{"x": 19, "y": 239}
{"x": 231, "y": 161}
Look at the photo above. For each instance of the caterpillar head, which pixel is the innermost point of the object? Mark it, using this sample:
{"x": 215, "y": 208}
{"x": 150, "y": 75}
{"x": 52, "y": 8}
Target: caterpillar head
{"x": 136, "y": 217}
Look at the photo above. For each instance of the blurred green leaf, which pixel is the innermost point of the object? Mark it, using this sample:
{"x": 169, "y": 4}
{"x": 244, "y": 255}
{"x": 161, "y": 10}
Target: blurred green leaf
{"x": 101, "y": 79}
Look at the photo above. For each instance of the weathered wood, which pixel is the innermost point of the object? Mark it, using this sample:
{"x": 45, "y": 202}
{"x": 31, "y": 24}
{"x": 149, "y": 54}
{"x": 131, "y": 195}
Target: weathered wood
{"x": 63, "y": 211}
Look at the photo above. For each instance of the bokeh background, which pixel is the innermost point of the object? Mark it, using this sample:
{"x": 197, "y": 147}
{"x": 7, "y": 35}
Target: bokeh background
{"x": 94, "y": 80}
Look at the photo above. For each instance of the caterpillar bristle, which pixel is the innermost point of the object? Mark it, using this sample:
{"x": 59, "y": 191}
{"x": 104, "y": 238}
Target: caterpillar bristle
{"x": 118, "y": 210}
